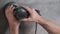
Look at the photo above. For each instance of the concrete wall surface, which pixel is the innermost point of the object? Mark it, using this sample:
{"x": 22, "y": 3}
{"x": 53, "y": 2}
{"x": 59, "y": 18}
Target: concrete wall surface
{"x": 49, "y": 9}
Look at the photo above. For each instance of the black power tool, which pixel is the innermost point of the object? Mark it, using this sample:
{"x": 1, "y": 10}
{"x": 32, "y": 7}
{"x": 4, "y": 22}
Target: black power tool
{"x": 19, "y": 11}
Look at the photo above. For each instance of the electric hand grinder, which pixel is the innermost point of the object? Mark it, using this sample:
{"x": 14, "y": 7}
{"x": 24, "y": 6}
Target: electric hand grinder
{"x": 19, "y": 11}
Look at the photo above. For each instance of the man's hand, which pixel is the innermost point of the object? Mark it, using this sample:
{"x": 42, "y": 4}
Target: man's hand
{"x": 13, "y": 23}
{"x": 34, "y": 16}
{"x": 9, "y": 14}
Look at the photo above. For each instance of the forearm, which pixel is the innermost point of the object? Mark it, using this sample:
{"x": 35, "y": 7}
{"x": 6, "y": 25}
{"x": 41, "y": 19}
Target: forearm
{"x": 49, "y": 26}
{"x": 14, "y": 30}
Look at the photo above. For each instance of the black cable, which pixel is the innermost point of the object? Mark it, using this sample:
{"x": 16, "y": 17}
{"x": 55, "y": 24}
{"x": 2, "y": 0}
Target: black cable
{"x": 36, "y": 28}
{"x": 38, "y": 11}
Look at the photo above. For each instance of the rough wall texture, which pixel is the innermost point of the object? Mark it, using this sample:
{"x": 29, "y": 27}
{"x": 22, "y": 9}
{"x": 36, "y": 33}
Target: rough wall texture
{"x": 50, "y": 9}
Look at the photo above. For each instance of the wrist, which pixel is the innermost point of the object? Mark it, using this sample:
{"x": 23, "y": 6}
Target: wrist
{"x": 13, "y": 27}
{"x": 14, "y": 24}
{"x": 41, "y": 20}
{"x": 14, "y": 30}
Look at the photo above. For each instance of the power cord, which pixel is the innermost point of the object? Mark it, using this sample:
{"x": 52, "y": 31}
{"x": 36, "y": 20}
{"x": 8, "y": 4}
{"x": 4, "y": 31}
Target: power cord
{"x": 36, "y": 28}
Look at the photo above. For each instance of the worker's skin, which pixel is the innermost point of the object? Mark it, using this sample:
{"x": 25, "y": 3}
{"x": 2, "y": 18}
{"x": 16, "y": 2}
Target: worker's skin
{"x": 34, "y": 16}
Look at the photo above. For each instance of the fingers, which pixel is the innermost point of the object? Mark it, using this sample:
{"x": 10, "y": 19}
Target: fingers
{"x": 9, "y": 10}
{"x": 12, "y": 8}
{"x": 27, "y": 8}
{"x": 30, "y": 10}
{"x": 9, "y": 13}
{"x": 9, "y": 7}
